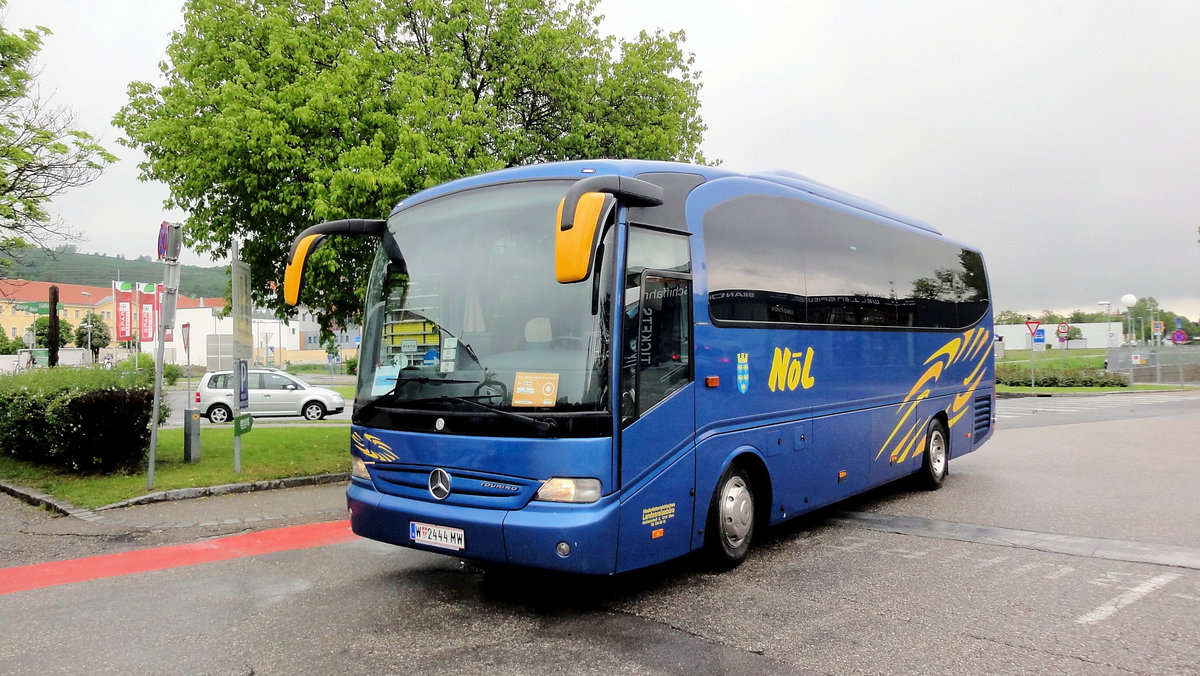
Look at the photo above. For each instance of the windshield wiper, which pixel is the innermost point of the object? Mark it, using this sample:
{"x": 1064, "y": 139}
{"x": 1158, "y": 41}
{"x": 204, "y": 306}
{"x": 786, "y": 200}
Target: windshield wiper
{"x": 539, "y": 425}
{"x": 422, "y": 380}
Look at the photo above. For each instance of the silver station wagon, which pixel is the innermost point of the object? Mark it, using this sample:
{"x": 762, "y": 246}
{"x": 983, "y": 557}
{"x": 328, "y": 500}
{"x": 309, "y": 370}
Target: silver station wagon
{"x": 272, "y": 392}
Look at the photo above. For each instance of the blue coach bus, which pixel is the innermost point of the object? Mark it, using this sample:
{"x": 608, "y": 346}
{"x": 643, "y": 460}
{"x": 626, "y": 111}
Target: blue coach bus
{"x": 597, "y": 366}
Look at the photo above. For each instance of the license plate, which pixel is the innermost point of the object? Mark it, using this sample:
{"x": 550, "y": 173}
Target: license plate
{"x": 437, "y": 536}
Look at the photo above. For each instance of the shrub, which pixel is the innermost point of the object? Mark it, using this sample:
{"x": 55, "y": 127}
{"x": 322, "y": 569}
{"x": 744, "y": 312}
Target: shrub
{"x": 172, "y": 373}
{"x": 1017, "y": 375}
{"x": 352, "y": 366}
{"x": 82, "y": 420}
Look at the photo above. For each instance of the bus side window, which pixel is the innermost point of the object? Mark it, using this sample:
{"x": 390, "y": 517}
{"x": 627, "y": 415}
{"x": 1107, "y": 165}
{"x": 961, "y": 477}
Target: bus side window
{"x": 656, "y": 350}
{"x": 659, "y": 340}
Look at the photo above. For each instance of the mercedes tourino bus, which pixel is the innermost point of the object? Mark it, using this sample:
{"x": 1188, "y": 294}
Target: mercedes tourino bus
{"x": 596, "y": 366}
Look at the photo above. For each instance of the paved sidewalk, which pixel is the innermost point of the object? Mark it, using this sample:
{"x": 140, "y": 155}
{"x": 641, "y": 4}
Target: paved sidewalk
{"x": 223, "y": 506}
{"x": 304, "y": 503}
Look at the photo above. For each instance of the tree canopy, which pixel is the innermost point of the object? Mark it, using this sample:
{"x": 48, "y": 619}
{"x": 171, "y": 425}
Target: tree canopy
{"x": 41, "y": 153}
{"x": 98, "y": 336}
{"x": 41, "y": 332}
{"x": 276, "y": 115}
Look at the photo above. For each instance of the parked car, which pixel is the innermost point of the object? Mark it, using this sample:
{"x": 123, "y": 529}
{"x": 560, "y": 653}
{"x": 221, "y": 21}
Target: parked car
{"x": 272, "y": 392}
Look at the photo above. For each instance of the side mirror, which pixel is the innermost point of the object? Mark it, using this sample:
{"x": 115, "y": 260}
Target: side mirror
{"x": 583, "y": 211}
{"x": 576, "y": 240}
{"x": 311, "y": 239}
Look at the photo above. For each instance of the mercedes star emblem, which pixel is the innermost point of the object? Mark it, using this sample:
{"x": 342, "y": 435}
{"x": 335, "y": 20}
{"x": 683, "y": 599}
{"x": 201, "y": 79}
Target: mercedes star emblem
{"x": 439, "y": 483}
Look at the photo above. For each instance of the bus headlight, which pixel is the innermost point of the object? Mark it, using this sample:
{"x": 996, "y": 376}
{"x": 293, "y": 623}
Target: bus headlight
{"x": 561, "y": 489}
{"x": 358, "y": 468}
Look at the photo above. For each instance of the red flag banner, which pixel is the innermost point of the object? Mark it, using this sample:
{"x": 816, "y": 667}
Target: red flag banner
{"x": 123, "y": 294}
{"x": 146, "y": 302}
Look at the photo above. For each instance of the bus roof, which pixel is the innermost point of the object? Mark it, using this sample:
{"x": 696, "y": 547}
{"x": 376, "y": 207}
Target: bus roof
{"x": 577, "y": 169}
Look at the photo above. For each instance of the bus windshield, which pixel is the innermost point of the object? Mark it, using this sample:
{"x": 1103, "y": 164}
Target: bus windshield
{"x": 471, "y": 330}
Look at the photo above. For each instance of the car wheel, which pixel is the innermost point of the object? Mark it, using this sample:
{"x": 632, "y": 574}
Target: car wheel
{"x": 730, "y": 519}
{"x": 313, "y": 410}
{"x": 935, "y": 462}
{"x": 219, "y": 413}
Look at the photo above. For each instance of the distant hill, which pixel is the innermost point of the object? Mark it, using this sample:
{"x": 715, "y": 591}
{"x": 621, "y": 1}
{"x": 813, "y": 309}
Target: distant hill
{"x": 65, "y": 265}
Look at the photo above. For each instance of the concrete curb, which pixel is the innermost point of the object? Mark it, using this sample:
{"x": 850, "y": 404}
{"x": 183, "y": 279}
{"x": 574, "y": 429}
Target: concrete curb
{"x": 228, "y": 489}
{"x": 39, "y": 499}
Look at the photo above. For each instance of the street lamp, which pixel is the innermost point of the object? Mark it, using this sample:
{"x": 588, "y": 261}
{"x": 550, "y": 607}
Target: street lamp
{"x": 1129, "y": 300}
{"x": 1108, "y": 324}
{"x": 89, "y": 323}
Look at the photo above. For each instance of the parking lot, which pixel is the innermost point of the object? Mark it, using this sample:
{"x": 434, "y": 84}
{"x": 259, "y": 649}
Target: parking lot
{"x": 1070, "y": 544}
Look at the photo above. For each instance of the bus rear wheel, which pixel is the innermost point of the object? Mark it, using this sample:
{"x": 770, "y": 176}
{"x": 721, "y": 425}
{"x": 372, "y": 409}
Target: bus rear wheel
{"x": 731, "y": 519}
{"x": 935, "y": 463}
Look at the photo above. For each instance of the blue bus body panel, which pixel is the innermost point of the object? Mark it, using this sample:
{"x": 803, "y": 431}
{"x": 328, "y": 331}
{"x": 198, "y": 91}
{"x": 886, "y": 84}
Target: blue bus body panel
{"x": 656, "y": 515}
{"x": 515, "y": 458}
{"x": 829, "y": 412}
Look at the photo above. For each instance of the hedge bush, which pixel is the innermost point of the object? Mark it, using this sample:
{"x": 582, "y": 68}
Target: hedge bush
{"x": 1017, "y": 375}
{"x": 81, "y": 420}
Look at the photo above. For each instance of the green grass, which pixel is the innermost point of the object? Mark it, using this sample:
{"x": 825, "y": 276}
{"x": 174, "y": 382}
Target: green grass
{"x": 267, "y": 453}
{"x": 1013, "y": 389}
{"x": 1065, "y": 359}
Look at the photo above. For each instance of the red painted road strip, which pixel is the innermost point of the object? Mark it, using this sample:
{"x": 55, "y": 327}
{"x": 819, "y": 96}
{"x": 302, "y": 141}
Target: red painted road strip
{"x": 38, "y": 575}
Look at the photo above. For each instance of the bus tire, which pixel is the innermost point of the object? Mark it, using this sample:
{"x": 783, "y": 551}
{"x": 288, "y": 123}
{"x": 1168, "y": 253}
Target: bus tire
{"x": 731, "y": 519}
{"x": 935, "y": 462}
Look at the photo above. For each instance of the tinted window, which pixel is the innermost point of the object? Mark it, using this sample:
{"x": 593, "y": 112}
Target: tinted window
{"x": 778, "y": 260}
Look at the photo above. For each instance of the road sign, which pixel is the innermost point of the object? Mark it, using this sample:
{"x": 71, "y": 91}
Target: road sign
{"x": 39, "y": 307}
{"x": 1158, "y": 328}
{"x": 243, "y": 376}
{"x": 242, "y": 424}
{"x": 1063, "y": 329}
{"x": 1179, "y": 337}
{"x": 1039, "y": 336}
{"x": 1033, "y": 327}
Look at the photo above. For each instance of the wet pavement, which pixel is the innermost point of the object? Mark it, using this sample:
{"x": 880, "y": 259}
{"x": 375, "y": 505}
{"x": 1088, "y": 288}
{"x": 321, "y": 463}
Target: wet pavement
{"x": 34, "y": 534}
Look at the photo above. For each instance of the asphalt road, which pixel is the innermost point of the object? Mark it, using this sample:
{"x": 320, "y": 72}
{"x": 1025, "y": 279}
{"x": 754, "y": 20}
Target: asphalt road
{"x": 1069, "y": 544}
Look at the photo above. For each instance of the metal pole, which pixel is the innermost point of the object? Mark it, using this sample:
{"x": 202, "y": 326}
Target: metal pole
{"x": 235, "y": 256}
{"x": 158, "y": 360}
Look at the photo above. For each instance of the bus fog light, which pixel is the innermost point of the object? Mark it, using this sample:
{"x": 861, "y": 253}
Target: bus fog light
{"x": 358, "y": 468}
{"x": 563, "y": 549}
{"x": 561, "y": 489}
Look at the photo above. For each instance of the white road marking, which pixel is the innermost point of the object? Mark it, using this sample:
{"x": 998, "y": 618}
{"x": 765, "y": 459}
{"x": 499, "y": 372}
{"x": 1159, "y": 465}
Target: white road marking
{"x": 1106, "y": 610}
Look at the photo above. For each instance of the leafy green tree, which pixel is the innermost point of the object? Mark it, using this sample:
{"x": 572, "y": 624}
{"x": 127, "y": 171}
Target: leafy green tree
{"x": 100, "y": 335}
{"x": 277, "y": 114}
{"x": 9, "y": 346}
{"x": 41, "y": 153}
{"x": 1009, "y": 317}
{"x": 41, "y": 332}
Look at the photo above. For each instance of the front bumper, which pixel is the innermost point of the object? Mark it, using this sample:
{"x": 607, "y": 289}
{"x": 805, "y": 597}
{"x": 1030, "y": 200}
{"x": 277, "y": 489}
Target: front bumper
{"x": 525, "y": 537}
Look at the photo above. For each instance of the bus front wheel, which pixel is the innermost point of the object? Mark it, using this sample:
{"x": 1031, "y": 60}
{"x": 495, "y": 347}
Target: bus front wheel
{"x": 936, "y": 459}
{"x": 730, "y": 519}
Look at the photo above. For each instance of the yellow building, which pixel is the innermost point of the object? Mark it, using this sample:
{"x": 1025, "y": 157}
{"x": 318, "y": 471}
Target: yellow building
{"x": 74, "y": 302}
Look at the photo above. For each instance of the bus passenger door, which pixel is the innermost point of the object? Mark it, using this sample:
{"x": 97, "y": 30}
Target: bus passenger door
{"x": 657, "y": 462}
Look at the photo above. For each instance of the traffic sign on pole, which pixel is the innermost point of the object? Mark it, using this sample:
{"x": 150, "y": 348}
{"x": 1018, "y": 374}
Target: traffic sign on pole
{"x": 1033, "y": 327}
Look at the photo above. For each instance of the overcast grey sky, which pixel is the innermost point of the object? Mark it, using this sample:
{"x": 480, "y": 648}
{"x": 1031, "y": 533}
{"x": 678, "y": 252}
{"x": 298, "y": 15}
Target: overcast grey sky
{"x": 1057, "y": 136}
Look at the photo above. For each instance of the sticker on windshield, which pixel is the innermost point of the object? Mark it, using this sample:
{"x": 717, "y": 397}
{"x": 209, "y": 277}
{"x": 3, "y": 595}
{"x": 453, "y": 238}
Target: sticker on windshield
{"x": 535, "y": 389}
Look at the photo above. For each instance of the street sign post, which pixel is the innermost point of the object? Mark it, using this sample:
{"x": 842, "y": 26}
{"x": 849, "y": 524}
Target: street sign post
{"x": 243, "y": 380}
{"x": 1033, "y": 325}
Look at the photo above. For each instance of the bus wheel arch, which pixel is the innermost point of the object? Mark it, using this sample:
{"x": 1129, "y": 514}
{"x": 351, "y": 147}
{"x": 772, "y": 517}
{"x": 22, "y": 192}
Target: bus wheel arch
{"x": 738, "y": 511}
{"x": 935, "y": 458}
